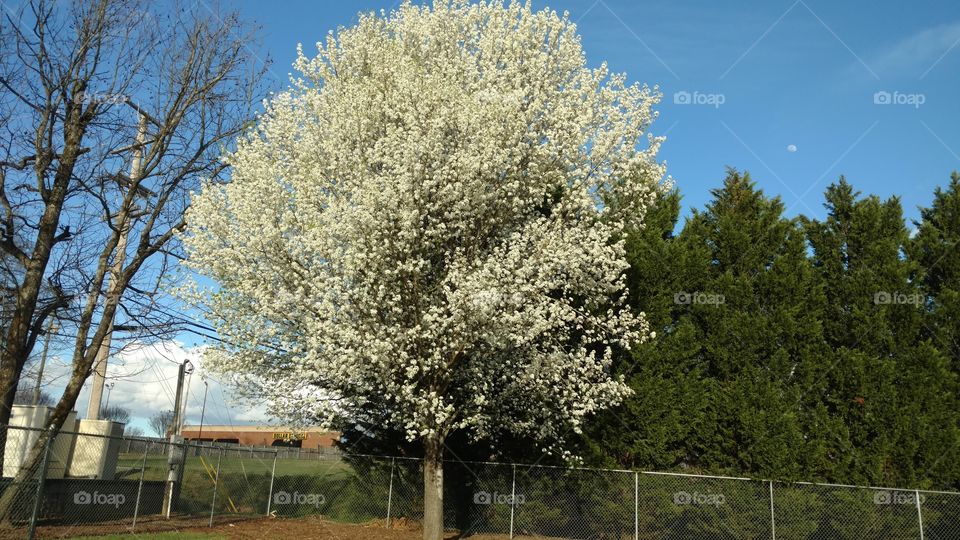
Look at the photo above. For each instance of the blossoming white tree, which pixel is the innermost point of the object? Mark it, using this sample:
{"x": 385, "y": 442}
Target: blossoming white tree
{"x": 431, "y": 219}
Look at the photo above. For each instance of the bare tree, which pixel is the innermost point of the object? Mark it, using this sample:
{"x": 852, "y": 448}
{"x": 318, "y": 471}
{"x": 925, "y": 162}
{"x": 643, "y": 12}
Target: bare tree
{"x": 161, "y": 423}
{"x": 115, "y": 413}
{"x": 90, "y": 90}
{"x": 24, "y": 396}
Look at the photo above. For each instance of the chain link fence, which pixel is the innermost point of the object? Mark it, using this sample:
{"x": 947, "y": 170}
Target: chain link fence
{"x": 85, "y": 484}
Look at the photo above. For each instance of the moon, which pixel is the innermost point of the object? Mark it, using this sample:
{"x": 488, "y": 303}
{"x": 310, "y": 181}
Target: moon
{"x": 791, "y": 148}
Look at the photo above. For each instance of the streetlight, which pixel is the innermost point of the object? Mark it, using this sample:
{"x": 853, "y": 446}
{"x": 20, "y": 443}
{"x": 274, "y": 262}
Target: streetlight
{"x": 109, "y": 387}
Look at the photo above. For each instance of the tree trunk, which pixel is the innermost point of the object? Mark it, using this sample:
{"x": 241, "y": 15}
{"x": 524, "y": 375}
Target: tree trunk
{"x": 9, "y": 379}
{"x": 17, "y": 497}
{"x": 12, "y": 359}
{"x": 433, "y": 491}
{"x": 15, "y": 493}
{"x": 24, "y": 326}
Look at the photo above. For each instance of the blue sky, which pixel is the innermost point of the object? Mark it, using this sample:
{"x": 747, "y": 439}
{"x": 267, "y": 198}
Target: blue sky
{"x": 797, "y": 81}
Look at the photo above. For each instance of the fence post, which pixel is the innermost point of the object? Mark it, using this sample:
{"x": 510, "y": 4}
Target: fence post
{"x": 513, "y": 497}
{"x": 773, "y": 520}
{"x": 916, "y": 494}
{"x": 143, "y": 467}
{"x": 216, "y": 482}
{"x": 636, "y": 506}
{"x": 40, "y": 479}
{"x": 273, "y": 474}
{"x": 393, "y": 462}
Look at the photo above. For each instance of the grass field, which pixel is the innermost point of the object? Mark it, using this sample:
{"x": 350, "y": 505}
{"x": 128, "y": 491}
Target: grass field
{"x": 245, "y": 483}
{"x": 128, "y": 466}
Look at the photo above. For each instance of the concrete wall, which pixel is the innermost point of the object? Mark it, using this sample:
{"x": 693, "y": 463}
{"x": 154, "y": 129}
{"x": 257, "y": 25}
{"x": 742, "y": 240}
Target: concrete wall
{"x": 19, "y": 441}
{"x": 95, "y": 456}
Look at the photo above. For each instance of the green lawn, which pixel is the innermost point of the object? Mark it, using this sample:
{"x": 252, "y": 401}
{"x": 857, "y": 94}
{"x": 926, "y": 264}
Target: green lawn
{"x": 156, "y": 466}
{"x": 245, "y": 484}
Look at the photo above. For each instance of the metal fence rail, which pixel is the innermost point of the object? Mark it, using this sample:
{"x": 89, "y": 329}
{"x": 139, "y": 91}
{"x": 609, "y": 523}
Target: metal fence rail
{"x": 88, "y": 484}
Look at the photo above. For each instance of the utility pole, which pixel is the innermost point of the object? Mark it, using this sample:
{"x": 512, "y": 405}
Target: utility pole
{"x": 51, "y": 327}
{"x": 203, "y": 409}
{"x": 100, "y": 365}
{"x": 176, "y": 453}
{"x": 173, "y": 430}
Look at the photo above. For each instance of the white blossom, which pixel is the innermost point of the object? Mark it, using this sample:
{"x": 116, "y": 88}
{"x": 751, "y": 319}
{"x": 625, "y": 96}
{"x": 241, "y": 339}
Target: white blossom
{"x": 430, "y": 220}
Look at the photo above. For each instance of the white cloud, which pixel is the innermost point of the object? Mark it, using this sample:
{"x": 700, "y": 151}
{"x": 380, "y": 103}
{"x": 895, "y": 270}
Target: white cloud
{"x": 145, "y": 382}
{"x": 914, "y": 55}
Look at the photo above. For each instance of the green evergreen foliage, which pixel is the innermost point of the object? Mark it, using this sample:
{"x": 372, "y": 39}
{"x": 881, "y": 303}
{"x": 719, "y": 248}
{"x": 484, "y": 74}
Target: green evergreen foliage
{"x": 936, "y": 249}
{"x": 793, "y": 348}
{"x": 891, "y": 386}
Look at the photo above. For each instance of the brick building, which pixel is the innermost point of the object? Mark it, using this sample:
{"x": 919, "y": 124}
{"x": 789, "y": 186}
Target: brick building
{"x": 263, "y": 436}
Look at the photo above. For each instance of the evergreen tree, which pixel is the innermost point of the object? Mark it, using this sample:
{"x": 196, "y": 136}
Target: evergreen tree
{"x": 668, "y": 408}
{"x": 890, "y": 386}
{"x": 762, "y": 343}
{"x": 735, "y": 301}
{"x": 936, "y": 250}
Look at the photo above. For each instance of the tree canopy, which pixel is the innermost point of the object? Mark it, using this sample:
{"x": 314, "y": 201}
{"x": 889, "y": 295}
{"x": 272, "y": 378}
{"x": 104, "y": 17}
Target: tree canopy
{"x": 439, "y": 205}
{"x": 792, "y": 348}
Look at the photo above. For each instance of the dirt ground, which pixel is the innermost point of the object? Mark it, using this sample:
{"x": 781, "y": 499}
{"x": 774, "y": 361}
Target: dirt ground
{"x": 250, "y": 529}
{"x": 317, "y": 528}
